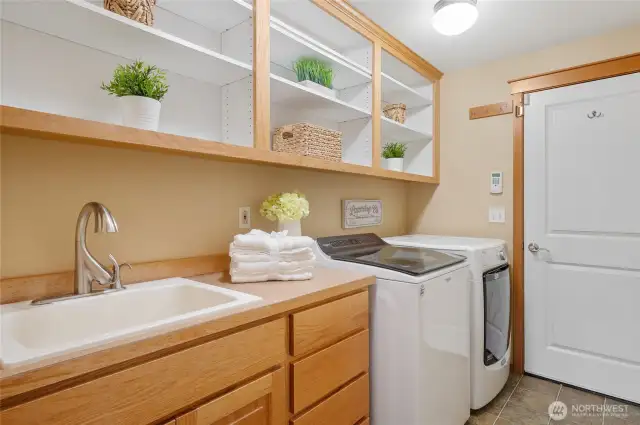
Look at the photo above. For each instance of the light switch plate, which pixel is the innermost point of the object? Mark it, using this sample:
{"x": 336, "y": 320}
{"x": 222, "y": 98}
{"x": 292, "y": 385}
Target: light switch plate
{"x": 497, "y": 215}
{"x": 244, "y": 218}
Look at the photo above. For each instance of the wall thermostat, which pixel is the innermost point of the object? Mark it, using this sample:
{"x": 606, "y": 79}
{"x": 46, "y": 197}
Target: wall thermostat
{"x": 496, "y": 182}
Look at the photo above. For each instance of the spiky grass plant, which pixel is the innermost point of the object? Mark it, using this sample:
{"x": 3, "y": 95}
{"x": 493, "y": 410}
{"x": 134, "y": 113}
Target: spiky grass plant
{"x": 137, "y": 79}
{"x": 315, "y": 70}
{"x": 394, "y": 150}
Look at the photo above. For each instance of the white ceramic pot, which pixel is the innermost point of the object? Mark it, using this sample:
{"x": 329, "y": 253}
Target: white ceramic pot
{"x": 140, "y": 112}
{"x": 319, "y": 88}
{"x": 293, "y": 227}
{"x": 395, "y": 164}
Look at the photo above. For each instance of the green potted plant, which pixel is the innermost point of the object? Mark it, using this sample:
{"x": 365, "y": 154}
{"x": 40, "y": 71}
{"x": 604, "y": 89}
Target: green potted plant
{"x": 140, "y": 88}
{"x": 287, "y": 209}
{"x": 315, "y": 75}
{"x": 393, "y": 153}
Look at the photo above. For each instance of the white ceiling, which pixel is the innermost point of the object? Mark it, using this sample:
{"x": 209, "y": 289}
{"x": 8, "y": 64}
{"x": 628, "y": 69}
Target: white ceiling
{"x": 504, "y": 27}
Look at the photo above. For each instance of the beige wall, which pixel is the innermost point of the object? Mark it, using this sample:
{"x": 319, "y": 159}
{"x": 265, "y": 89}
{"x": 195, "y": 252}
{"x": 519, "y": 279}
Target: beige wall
{"x": 166, "y": 206}
{"x": 470, "y": 150}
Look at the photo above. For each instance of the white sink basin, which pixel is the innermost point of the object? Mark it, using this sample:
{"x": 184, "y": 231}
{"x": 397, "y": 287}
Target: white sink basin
{"x": 31, "y": 332}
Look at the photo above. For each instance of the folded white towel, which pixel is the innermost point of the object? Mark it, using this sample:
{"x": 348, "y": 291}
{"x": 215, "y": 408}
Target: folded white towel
{"x": 243, "y": 278}
{"x": 271, "y": 266}
{"x": 244, "y": 254}
{"x": 271, "y": 242}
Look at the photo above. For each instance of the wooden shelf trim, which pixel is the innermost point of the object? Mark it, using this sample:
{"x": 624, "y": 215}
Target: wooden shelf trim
{"x": 360, "y": 23}
{"x": 23, "y": 122}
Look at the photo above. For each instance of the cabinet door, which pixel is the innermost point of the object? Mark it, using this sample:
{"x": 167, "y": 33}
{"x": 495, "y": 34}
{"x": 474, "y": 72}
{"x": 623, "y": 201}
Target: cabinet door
{"x": 260, "y": 402}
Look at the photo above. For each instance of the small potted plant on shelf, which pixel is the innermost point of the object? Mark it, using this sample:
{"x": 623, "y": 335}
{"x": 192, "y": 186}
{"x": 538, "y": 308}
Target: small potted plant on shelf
{"x": 315, "y": 75}
{"x": 140, "y": 88}
{"x": 393, "y": 153}
{"x": 288, "y": 209}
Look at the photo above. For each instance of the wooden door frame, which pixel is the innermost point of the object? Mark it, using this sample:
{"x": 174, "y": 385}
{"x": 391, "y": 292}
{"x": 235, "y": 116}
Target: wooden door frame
{"x": 519, "y": 88}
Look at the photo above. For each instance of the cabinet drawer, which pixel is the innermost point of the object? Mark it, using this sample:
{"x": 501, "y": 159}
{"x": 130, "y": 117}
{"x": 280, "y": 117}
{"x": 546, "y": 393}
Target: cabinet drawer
{"x": 321, "y": 373}
{"x": 319, "y": 326}
{"x": 157, "y": 389}
{"x": 346, "y": 407}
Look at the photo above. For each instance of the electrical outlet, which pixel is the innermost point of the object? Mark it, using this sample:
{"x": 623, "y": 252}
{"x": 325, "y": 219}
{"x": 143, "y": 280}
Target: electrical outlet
{"x": 244, "y": 218}
{"x": 497, "y": 214}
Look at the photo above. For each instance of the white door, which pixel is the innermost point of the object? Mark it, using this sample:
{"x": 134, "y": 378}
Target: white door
{"x": 582, "y": 211}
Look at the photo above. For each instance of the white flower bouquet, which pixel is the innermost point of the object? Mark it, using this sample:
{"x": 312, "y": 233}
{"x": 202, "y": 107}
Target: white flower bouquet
{"x": 285, "y": 206}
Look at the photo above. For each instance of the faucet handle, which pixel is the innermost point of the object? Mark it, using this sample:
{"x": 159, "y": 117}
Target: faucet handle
{"x": 115, "y": 280}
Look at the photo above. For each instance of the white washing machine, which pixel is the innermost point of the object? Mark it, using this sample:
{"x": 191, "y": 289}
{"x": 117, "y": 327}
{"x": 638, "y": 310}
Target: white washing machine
{"x": 490, "y": 307}
{"x": 419, "y": 327}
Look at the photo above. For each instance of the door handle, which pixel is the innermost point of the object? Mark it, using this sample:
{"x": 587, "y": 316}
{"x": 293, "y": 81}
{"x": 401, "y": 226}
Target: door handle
{"x": 534, "y": 247}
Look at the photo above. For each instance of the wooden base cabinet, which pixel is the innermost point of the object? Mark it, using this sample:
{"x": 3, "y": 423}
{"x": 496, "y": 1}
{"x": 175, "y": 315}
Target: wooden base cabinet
{"x": 256, "y": 403}
{"x": 306, "y": 367}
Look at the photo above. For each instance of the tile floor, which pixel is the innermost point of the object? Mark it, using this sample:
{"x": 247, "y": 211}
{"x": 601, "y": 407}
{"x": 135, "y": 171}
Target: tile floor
{"x": 525, "y": 401}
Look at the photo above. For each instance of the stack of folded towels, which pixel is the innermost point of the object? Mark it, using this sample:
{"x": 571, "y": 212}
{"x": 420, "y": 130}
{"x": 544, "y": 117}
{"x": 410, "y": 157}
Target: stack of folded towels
{"x": 260, "y": 256}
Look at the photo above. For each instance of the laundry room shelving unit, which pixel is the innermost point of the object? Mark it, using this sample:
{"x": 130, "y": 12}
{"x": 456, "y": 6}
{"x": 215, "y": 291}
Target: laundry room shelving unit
{"x": 56, "y": 54}
{"x": 401, "y": 84}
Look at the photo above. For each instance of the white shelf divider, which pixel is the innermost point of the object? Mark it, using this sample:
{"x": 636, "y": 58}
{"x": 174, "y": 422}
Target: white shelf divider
{"x": 92, "y": 26}
{"x": 393, "y": 131}
{"x": 292, "y": 95}
{"x": 393, "y": 91}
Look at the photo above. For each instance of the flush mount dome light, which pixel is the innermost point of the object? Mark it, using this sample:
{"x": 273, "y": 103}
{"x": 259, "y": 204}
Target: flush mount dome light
{"x": 453, "y": 17}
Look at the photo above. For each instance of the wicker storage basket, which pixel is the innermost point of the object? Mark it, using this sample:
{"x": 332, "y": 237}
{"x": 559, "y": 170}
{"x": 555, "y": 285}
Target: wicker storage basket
{"x": 309, "y": 140}
{"x": 396, "y": 112}
{"x": 138, "y": 10}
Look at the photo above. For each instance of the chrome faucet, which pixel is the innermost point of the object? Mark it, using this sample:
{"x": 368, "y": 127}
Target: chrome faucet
{"x": 88, "y": 269}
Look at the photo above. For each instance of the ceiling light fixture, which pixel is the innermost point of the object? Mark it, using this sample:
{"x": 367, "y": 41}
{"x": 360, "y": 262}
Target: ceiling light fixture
{"x": 453, "y": 17}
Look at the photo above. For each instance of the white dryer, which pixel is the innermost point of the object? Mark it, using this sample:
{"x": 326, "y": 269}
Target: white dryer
{"x": 490, "y": 307}
{"x": 419, "y": 328}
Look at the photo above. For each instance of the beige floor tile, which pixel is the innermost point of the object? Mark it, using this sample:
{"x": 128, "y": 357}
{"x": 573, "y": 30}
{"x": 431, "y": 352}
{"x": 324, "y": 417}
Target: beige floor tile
{"x": 482, "y": 418}
{"x": 587, "y": 406}
{"x": 584, "y": 420}
{"x": 501, "y": 421}
{"x": 496, "y": 405}
{"x": 532, "y": 400}
{"x": 621, "y": 421}
{"x": 570, "y": 396}
{"x": 627, "y": 412}
{"x": 591, "y": 419}
{"x": 520, "y": 415}
{"x": 539, "y": 385}
{"x": 512, "y": 381}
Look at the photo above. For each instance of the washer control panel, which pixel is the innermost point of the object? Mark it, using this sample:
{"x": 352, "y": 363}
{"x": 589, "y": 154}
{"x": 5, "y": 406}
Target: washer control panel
{"x": 494, "y": 257}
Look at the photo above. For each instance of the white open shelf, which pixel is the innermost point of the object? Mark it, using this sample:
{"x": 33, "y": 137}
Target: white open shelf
{"x": 393, "y": 91}
{"x": 393, "y": 131}
{"x": 92, "y": 26}
{"x": 288, "y": 45}
{"x": 293, "y": 95}
{"x": 325, "y": 31}
{"x": 218, "y": 16}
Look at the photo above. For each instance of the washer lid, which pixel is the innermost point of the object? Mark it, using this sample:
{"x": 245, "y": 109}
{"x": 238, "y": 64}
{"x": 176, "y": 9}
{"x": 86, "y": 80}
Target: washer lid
{"x": 454, "y": 243}
{"x": 371, "y": 250}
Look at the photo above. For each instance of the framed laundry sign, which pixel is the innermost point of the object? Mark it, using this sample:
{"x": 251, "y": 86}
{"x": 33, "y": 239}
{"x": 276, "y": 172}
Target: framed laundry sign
{"x": 361, "y": 213}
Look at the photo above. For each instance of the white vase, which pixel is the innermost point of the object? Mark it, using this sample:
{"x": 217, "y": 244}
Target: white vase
{"x": 293, "y": 227}
{"x": 140, "y": 112}
{"x": 395, "y": 164}
{"x": 319, "y": 88}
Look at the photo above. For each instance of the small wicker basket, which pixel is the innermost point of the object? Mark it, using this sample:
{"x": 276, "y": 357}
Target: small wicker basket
{"x": 138, "y": 10}
{"x": 396, "y": 112}
{"x": 309, "y": 140}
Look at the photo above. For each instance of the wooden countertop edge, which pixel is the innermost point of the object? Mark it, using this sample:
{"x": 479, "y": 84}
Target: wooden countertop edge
{"x": 27, "y": 385}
